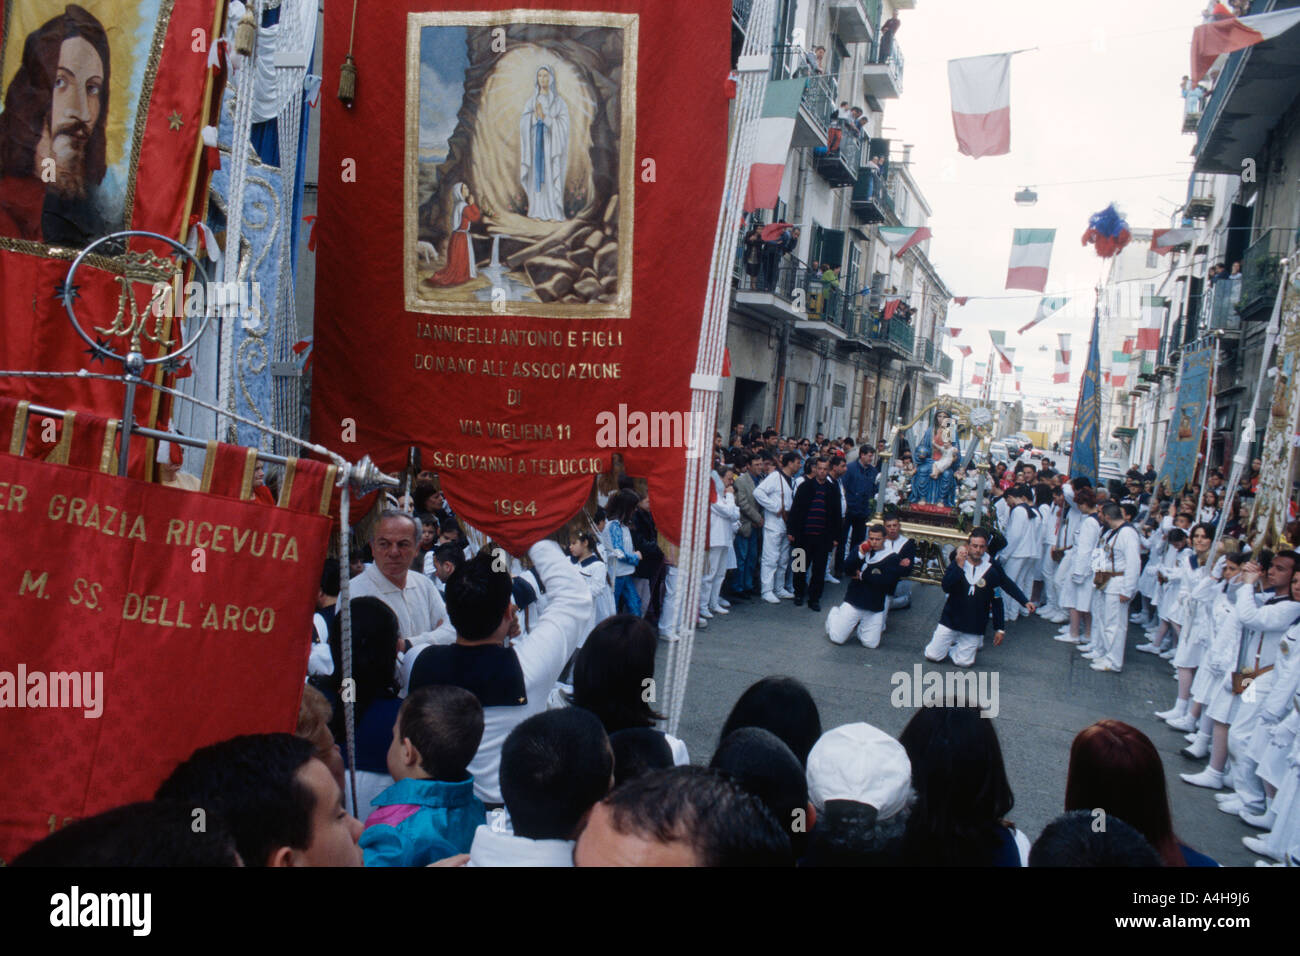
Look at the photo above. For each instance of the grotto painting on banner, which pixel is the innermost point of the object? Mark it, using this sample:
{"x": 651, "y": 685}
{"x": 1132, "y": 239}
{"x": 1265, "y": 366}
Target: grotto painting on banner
{"x": 532, "y": 253}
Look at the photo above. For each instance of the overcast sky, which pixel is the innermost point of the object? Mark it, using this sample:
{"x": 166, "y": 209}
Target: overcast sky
{"x": 1099, "y": 100}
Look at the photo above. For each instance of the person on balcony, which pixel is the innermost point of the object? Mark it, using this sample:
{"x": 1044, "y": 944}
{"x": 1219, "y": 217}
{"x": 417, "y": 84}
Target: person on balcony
{"x": 887, "y": 31}
{"x": 753, "y": 251}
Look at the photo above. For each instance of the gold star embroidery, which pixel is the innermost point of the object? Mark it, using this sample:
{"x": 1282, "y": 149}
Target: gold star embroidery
{"x": 174, "y": 121}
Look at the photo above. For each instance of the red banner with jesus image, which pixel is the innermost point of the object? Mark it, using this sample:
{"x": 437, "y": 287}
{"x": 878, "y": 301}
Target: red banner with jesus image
{"x": 140, "y": 623}
{"x": 516, "y": 283}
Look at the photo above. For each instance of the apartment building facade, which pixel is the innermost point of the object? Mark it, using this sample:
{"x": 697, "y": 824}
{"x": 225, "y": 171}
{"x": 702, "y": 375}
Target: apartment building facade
{"x": 851, "y": 351}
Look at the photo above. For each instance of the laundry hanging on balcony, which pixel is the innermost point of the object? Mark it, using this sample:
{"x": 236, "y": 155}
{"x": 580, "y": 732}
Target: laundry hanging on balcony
{"x": 1212, "y": 40}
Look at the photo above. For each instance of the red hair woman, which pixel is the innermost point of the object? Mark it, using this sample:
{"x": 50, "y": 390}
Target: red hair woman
{"x": 1116, "y": 768}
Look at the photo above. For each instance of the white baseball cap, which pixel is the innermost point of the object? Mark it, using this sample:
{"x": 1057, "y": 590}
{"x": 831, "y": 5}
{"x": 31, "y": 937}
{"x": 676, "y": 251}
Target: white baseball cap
{"x": 861, "y": 763}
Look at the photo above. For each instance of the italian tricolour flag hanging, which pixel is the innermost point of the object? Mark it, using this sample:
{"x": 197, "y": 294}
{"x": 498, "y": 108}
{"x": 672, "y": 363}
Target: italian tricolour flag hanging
{"x": 1031, "y": 255}
{"x": 775, "y": 130}
{"x": 1212, "y": 40}
{"x": 980, "y": 87}
{"x": 901, "y": 238}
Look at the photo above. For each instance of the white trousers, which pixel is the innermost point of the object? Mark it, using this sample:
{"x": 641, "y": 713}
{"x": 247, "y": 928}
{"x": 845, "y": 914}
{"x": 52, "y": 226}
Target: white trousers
{"x": 1020, "y": 570}
{"x": 668, "y": 613}
{"x": 843, "y": 618}
{"x": 949, "y": 643}
{"x": 1109, "y": 628}
{"x": 1050, "y": 569}
{"x": 1245, "y": 779}
{"x": 775, "y": 561}
{"x": 715, "y": 569}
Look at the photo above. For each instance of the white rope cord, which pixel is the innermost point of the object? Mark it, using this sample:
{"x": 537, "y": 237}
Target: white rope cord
{"x": 289, "y": 82}
{"x": 704, "y": 395}
{"x": 345, "y": 642}
{"x": 243, "y": 78}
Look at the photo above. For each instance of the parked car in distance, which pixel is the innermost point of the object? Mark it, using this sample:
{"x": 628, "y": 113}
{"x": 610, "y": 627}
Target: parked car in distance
{"x": 998, "y": 452}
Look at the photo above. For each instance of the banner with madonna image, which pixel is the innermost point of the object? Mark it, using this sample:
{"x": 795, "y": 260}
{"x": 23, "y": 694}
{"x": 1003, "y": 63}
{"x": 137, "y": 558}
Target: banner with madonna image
{"x": 1187, "y": 425}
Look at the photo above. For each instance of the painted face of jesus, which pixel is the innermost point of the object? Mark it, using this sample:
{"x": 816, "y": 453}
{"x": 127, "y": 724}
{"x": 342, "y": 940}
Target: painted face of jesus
{"x": 74, "y": 113}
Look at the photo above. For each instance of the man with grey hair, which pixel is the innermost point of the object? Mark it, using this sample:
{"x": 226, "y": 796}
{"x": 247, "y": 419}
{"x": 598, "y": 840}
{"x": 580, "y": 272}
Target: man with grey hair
{"x": 421, "y": 615}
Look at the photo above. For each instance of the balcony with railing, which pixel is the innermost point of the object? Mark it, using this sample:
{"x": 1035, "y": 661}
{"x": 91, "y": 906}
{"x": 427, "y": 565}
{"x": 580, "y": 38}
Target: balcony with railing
{"x": 829, "y": 309}
{"x": 945, "y": 367}
{"x": 839, "y": 166}
{"x": 1252, "y": 94}
{"x": 853, "y": 24}
{"x": 1218, "y": 306}
{"x": 882, "y": 77}
{"x": 894, "y": 334}
{"x": 1261, "y": 271}
{"x": 779, "y": 290}
{"x": 1200, "y": 197}
{"x": 871, "y": 200}
{"x": 740, "y": 12}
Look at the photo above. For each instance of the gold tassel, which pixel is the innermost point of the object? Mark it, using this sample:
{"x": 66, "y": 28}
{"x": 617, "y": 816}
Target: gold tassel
{"x": 348, "y": 81}
{"x": 245, "y": 34}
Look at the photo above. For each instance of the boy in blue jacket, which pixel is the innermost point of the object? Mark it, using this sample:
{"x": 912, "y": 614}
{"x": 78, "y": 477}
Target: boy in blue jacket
{"x": 431, "y": 812}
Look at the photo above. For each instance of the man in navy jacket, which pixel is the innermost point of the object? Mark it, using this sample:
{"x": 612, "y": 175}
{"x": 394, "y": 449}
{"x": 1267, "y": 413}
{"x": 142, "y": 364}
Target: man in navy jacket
{"x": 971, "y": 583}
{"x": 873, "y": 575}
{"x": 859, "y": 484}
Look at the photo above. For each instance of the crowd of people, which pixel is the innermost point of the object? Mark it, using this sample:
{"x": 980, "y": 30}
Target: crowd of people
{"x": 502, "y": 717}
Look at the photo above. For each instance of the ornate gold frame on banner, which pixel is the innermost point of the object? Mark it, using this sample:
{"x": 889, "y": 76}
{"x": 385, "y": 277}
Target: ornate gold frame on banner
{"x": 624, "y": 197}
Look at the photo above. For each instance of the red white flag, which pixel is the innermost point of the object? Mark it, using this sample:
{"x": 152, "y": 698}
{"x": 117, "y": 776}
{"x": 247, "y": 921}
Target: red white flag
{"x": 965, "y": 350}
{"x": 775, "y": 130}
{"x": 1061, "y": 374}
{"x": 954, "y": 332}
{"x": 1165, "y": 241}
{"x": 1004, "y": 359}
{"x": 961, "y": 299}
{"x": 980, "y": 87}
{"x": 1153, "y": 314}
{"x": 1212, "y": 40}
{"x": 978, "y": 377}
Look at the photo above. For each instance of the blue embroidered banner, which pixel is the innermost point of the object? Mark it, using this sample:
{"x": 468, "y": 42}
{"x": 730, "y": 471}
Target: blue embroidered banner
{"x": 1186, "y": 425}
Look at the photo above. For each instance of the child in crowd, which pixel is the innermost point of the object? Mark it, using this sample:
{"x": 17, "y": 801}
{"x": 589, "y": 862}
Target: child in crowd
{"x": 430, "y": 813}
{"x": 584, "y": 551}
{"x": 623, "y": 555}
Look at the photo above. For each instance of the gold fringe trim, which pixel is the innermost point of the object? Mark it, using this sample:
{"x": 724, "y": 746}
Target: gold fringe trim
{"x": 286, "y": 485}
{"x": 209, "y": 463}
{"x": 250, "y": 466}
{"x": 19, "y": 435}
{"x": 106, "y": 454}
{"x": 59, "y": 456}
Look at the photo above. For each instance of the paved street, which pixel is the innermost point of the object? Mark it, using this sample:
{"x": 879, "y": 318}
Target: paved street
{"x": 1047, "y": 694}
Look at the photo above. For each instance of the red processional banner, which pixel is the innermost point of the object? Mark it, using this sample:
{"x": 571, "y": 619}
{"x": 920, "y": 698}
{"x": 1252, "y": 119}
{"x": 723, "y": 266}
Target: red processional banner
{"x": 517, "y": 217}
{"x": 103, "y": 106}
{"x": 140, "y": 622}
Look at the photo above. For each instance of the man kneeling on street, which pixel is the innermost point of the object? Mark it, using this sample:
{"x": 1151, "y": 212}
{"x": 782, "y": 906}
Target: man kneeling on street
{"x": 873, "y": 572}
{"x": 970, "y": 582}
